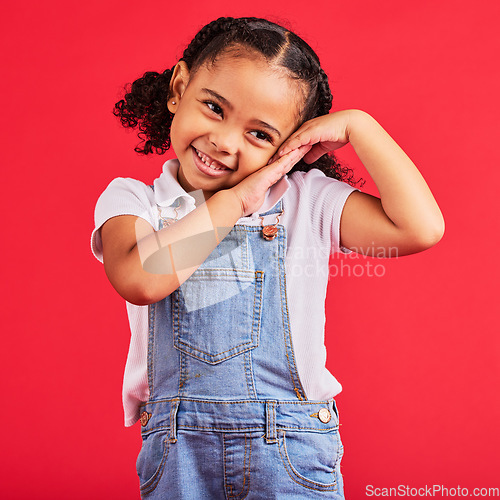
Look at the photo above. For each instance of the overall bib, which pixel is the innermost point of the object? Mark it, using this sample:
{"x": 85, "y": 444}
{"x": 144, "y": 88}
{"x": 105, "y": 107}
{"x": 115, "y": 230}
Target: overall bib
{"x": 227, "y": 416}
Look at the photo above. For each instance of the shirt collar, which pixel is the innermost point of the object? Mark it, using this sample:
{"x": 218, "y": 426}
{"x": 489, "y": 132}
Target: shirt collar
{"x": 168, "y": 190}
{"x": 167, "y": 187}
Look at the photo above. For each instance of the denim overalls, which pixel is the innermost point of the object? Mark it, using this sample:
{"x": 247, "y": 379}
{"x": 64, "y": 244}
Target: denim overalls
{"x": 227, "y": 416}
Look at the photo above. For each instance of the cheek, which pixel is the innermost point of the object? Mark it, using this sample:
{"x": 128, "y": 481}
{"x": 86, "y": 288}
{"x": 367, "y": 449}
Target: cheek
{"x": 174, "y": 132}
{"x": 255, "y": 160}
{"x": 180, "y": 133}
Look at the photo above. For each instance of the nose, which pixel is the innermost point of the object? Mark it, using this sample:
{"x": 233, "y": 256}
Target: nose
{"x": 225, "y": 139}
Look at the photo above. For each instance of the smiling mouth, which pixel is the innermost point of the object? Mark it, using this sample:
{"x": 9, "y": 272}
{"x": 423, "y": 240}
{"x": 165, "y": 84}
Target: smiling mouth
{"x": 210, "y": 162}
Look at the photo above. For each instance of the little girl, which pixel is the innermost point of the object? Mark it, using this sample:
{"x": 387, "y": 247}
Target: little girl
{"x": 226, "y": 369}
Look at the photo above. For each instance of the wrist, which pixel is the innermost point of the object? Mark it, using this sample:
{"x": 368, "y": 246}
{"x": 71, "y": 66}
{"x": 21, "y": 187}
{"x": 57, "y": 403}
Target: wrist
{"x": 356, "y": 120}
{"x": 231, "y": 205}
{"x": 232, "y": 201}
{"x": 225, "y": 209}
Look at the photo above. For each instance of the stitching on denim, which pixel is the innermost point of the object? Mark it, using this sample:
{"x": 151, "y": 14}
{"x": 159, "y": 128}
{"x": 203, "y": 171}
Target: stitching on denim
{"x": 183, "y": 372}
{"x": 246, "y": 471}
{"x": 175, "y": 328}
{"x": 151, "y": 339}
{"x": 236, "y": 401}
{"x": 252, "y": 229}
{"x": 246, "y": 477}
{"x": 298, "y": 390}
{"x": 171, "y": 429}
{"x": 326, "y": 430}
{"x": 282, "y": 299}
{"x": 204, "y": 273}
{"x": 259, "y": 427}
{"x": 222, "y": 429}
{"x": 162, "y": 426}
{"x": 172, "y": 328}
{"x": 286, "y": 324}
{"x": 258, "y": 275}
{"x": 215, "y": 358}
{"x": 172, "y": 435}
{"x": 150, "y": 405}
{"x": 268, "y": 421}
{"x": 246, "y": 468}
{"x": 241, "y": 351}
{"x": 298, "y": 477}
{"x": 151, "y": 484}
{"x": 247, "y": 365}
{"x": 228, "y": 487}
{"x": 274, "y": 421}
{"x": 257, "y": 316}
{"x": 271, "y": 422}
{"x": 209, "y": 354}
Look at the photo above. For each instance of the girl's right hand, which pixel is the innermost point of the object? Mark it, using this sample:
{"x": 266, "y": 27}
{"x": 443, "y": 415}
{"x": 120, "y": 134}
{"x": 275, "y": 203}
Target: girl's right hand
{"x": 251, "y": 191}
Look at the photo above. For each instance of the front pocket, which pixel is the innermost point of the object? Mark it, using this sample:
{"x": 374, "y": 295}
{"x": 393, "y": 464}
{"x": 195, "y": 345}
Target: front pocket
{"x": 311, "y": 458}
{"x": 217, "y": 313}
{"x": 151, "y": 460}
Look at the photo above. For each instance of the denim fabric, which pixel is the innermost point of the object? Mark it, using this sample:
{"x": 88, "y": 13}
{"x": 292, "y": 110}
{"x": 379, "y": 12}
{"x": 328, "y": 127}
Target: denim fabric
{"x": 227, "y": 416}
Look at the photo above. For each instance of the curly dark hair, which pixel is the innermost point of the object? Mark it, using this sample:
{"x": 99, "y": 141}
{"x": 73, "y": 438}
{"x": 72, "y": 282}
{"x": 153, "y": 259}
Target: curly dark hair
{"x": 145, "y": 102}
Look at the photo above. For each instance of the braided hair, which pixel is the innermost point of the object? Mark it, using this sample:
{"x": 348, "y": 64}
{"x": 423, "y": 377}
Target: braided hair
{"x": 145, "y": 103}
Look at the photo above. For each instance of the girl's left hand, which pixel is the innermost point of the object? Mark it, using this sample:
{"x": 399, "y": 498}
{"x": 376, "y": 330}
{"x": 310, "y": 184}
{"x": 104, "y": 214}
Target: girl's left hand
{"x": 319, "y": 136}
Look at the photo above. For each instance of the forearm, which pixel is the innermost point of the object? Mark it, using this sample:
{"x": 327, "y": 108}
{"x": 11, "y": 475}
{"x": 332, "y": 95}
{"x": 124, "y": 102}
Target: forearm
{"x": 405, "y": 196}
{"x": 170, "y": 256}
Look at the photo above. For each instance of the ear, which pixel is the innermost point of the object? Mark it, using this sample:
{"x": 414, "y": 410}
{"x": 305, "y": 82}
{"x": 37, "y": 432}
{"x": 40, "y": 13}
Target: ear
{"x": 178, "y": 84}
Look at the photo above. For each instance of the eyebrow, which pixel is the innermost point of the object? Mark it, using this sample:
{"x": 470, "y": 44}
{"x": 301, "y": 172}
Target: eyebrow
{"x": 224, "y": 101}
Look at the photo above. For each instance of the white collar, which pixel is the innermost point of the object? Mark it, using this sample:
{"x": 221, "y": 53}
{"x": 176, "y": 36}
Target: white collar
{"x": 168, "y": 190}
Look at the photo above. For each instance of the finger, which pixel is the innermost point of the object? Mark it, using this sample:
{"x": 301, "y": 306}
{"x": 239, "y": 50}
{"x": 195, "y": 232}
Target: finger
{"x": 304, "y": 138}
{"x": 291, "y": 157}
{"x": 283, "y": 165}
{"x": 276, "y": 157}
{"x": 315, "y": 153}
{"x": 303, "y": 150}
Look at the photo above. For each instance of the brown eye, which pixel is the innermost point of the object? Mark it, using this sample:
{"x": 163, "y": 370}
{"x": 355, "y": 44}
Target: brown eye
{"x": 262, "y": 136}
{"x": 214, "y": 107}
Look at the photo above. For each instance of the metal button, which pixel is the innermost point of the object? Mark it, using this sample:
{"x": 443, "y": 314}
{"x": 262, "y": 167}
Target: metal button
{"x": 269, "y": 232}
{"x": 324, "y": 415}
{"x": 145, "y": 416}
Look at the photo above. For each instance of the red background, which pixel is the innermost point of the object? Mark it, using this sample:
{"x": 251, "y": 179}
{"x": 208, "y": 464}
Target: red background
{"x": 417, "y": 350}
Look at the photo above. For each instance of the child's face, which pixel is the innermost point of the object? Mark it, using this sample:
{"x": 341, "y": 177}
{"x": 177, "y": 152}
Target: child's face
{"x": 236, "y": 113}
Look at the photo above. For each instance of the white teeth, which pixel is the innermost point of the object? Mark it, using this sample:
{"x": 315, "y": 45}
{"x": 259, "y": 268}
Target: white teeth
{"x": 205, "y": 159}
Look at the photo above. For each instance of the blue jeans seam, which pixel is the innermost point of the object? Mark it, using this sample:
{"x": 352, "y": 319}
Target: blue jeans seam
{"x": 246, "y": 471}
{"x": 299, "y": 391}
{"x": 151, "y": 337}
{"x": 236, "y": 401}
{"x": 249, "y": 379}
{"x": 182, "y": 372}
